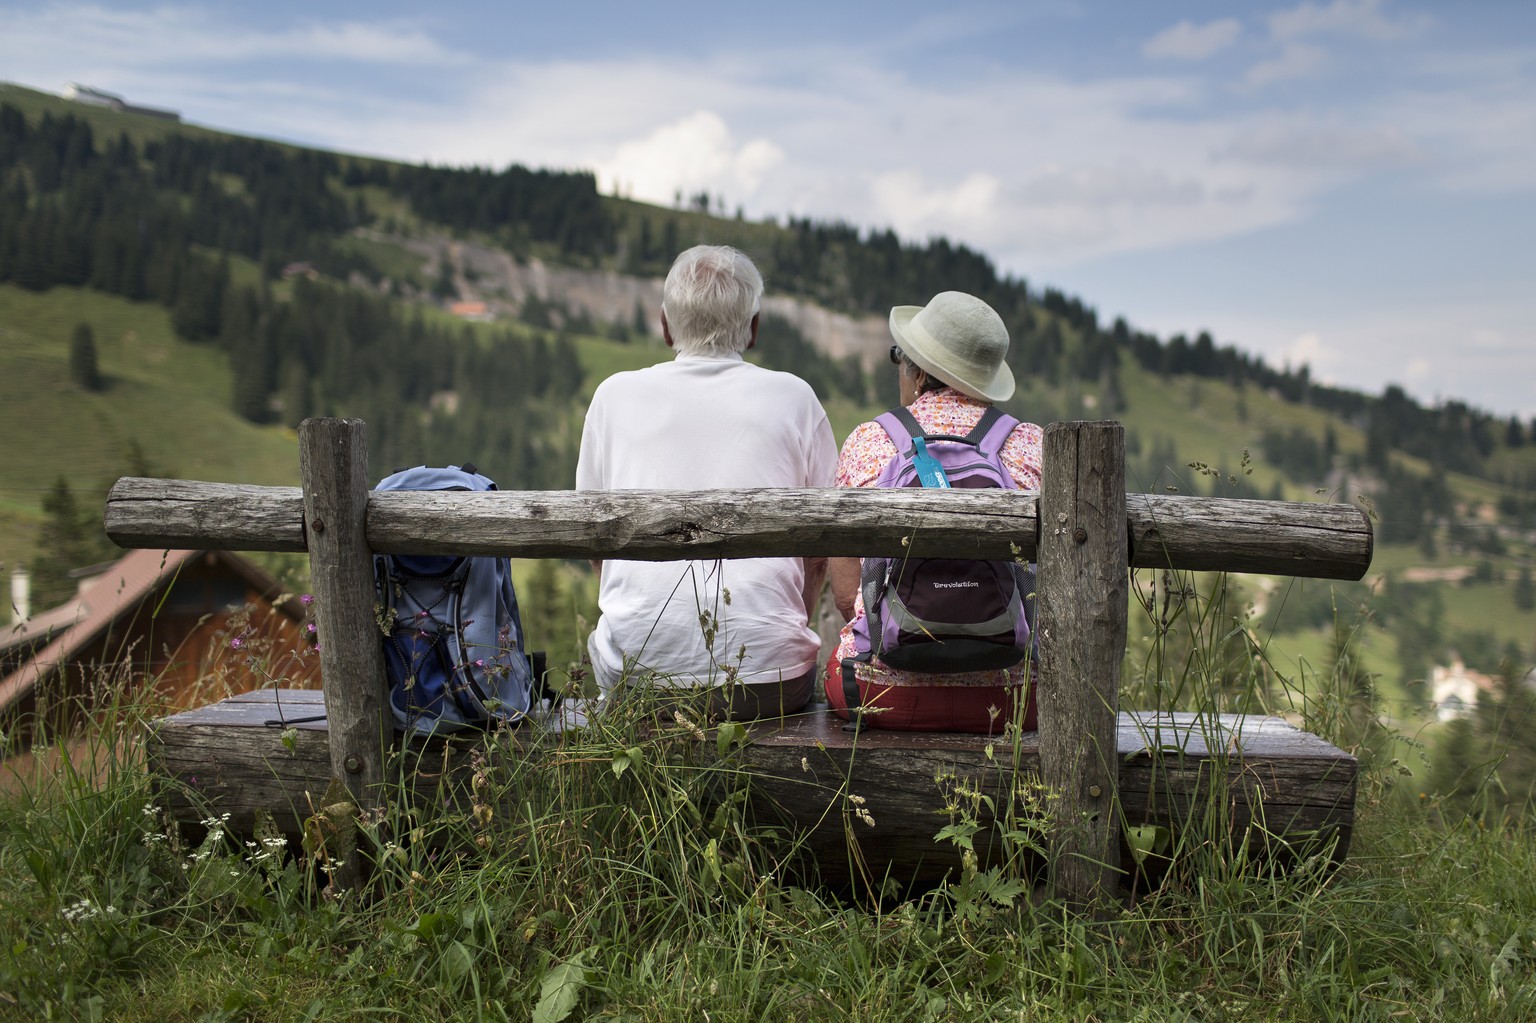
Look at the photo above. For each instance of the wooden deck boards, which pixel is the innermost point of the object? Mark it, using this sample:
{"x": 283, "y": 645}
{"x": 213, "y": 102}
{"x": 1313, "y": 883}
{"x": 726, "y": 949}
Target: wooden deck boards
{"x": 1266, "y": 781}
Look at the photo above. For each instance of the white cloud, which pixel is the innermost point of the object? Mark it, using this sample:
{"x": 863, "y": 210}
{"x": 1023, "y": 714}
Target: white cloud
{"x": 1125, "y": 184}
{"x": 1188, "y": 41}
{"x": 1041, "y": 170}
{"x": 693, "y": 153}
{"x": 917, "y": 207}
{"x": 1483, "y": 353}
{"x": 191, "y": 35}
{"x": 1481, "y": 126}
{"x": 1296, "y": 60}
{"x": 1307, "y": 349}
{"x": 1309, "y": 143}
{"x": 1357, "y": 18}
{"x": 1297, "y": 31}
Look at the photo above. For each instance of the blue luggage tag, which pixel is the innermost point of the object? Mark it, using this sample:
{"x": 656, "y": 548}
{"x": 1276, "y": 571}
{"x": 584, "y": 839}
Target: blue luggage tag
{"x": 929, "y": 472}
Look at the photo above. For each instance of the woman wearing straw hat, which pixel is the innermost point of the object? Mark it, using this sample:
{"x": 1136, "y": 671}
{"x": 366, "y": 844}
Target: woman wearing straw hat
{"x": 950, "y": 356}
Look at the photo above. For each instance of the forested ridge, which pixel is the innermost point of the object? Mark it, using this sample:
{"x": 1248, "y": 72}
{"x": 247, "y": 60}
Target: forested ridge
{"x": 252, "y": 249}
{"x": 150, "y": 222}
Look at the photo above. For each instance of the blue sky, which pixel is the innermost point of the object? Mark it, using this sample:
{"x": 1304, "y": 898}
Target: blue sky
{"x": 1346, "y": 183}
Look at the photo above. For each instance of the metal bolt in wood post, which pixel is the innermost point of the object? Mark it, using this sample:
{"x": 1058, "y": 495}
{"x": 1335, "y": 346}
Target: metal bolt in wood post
{"x": 1083, "y": 561}
{"x": 333, "y": 466}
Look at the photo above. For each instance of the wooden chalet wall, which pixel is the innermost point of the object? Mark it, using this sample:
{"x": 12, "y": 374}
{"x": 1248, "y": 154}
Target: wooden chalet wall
{"x": 200, "y": 630}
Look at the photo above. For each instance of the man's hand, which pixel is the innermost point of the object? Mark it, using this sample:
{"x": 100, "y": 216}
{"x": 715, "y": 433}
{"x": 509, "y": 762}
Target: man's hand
{"x": 815, "y": 575}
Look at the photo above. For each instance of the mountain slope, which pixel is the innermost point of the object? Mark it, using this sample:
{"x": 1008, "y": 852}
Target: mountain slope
{"x": 233, "y": 286}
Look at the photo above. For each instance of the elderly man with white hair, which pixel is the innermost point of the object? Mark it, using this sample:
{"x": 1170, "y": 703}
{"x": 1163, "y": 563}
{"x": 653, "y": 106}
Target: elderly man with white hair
{"x": 708, "y": 419}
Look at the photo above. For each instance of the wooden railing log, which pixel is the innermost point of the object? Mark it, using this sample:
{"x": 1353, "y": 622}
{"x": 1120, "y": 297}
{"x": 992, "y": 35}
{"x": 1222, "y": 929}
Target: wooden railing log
{"x": 193, "y": 515}
{"x": 1326, "y": 541}
{"x": 1211, "y": 534}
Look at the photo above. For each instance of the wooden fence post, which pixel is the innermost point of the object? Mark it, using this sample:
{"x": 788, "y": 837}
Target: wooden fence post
{"x": 333, "y": 466}
{"x": 1083, "y": 563}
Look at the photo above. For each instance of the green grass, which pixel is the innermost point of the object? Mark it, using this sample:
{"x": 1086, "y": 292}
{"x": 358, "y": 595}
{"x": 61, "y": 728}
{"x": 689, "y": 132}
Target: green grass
{"x": 393, "y": 261}
{"x": 609, "y": 874}
{"x": 1208, "y": 421}
{"x": 170, "y": 396}
{"x": 1517, "y": 463}
{"x": 603, "y": 357}
{"x": 1490, "y": 607}
{"x": 1469, "y": 606}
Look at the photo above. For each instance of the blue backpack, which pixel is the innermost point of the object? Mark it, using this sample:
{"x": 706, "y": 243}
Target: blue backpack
{"x": 944, "y": 615}
{"x": 453, "y": 637}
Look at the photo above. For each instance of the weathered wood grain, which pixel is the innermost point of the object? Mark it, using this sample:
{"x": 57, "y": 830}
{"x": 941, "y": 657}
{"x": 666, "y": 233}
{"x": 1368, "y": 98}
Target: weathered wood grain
{"x": 1200, "y": 534}
{"x": 333, "y": 462}
{"x": 1082, "y": 623}
{"x": 1329, "y": 541}
{"x": 1261, "y": 779}
{"x": 192, "y": 515}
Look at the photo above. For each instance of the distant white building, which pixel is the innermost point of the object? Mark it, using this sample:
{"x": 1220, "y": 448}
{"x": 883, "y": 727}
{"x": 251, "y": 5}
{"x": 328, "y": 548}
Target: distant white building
{"x": 1454, "y": 690}
{"x": 93, "y": 97}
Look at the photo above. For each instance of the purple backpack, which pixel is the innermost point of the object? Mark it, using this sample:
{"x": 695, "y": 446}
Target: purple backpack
{"x": 944, "y": 615}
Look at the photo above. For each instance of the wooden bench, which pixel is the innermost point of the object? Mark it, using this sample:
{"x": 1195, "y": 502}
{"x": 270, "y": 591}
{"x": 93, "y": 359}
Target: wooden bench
{"x": 1280, "y": 788}
{"x": 1083, "y": 529}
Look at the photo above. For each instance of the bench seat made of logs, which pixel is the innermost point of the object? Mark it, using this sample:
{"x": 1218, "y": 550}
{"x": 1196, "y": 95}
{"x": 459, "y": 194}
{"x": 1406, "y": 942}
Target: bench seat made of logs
{"x": 1273, "y": 784}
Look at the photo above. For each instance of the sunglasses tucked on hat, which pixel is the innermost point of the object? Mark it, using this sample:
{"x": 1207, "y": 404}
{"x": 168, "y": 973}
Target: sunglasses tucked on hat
{"x": 959, "y": 339}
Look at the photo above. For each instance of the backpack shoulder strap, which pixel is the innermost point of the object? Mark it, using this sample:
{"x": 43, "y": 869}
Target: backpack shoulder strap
{"x": 991, "y": 432}
{"x": 988, "y": 435}
{"x": 901, "y": 427}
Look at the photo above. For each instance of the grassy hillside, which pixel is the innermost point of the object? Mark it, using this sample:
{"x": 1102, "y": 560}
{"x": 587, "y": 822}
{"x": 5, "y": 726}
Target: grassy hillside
{"x": 106, "y": 123}
{"x": 169, "y": 396}
{"x": 173, "y": 400}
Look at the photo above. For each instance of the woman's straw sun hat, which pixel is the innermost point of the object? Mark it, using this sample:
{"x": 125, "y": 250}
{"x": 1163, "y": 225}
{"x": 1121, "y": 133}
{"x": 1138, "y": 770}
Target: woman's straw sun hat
{"x": 959, "y": 339}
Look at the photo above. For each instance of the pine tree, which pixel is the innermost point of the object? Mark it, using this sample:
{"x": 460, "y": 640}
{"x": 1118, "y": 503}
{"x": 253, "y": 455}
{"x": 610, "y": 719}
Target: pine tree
{"x": 198, "y": 312}
{"x": 82, "y": 359}
{"x": 68, "y": 540}
{"x": 136, "y": 462}
{"x": 1525, "y": 590}
{"x": 542, "y": 605}
{"x": 298, "y": 394}
{"x": 250, "y": 365}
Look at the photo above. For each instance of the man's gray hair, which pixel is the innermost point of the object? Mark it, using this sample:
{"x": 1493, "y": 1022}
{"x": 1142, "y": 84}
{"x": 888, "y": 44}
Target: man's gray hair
{"x": 710, "y": 296}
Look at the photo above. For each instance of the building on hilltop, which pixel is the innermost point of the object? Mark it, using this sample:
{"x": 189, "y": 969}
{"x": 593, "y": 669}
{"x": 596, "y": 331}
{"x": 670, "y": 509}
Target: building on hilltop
{"x": 475, "y": 311}
{"x": 76, "y": 93}
{"x": 94, "y": 97}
